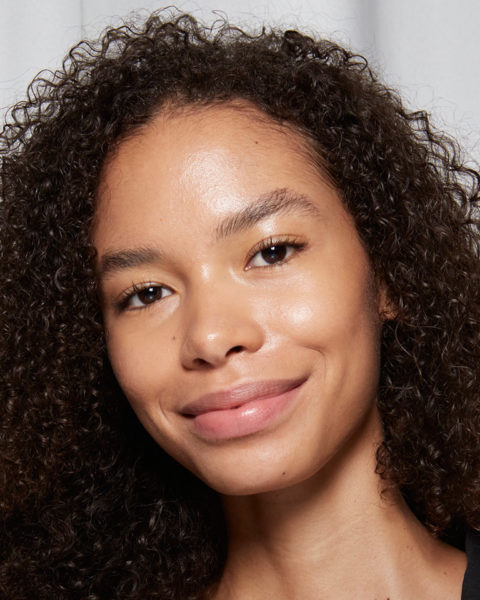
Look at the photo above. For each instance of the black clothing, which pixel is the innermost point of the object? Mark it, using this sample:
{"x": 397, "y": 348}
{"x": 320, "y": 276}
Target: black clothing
{"x": 471, "y": 581}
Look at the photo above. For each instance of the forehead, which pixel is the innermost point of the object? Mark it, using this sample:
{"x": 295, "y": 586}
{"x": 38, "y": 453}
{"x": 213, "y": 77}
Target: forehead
{"x": 200, "y": 163}
{"x": 204, "y": 134}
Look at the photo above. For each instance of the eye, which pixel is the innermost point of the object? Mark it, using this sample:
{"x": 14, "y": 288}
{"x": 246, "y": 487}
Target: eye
{"x": 273, "y": 252}
{"x": 139, "y": 296}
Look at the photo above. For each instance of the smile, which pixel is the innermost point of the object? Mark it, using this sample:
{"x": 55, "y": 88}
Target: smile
{"x": 243, "y": 410}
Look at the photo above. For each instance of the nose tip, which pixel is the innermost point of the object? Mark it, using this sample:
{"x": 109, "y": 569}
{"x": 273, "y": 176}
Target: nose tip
{"x": 211, "y": 342}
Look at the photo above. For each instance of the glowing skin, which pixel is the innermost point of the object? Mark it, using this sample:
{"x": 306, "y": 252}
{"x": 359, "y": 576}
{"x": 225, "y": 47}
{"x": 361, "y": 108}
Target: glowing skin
{"x": 227, "y": 317}
{"x": 243, "y": 324}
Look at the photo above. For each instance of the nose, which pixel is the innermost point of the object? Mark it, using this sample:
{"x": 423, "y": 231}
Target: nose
{"x": 218, "y": 327}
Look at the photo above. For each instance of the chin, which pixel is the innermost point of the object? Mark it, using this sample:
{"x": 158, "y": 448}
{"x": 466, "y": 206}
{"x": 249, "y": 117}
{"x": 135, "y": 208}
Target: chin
{"x": 253, "y": 479}
{"x": 237, "y": 487}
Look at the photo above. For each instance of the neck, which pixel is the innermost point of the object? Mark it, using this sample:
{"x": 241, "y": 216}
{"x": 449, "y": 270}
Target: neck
{"x": 335, "y": 536}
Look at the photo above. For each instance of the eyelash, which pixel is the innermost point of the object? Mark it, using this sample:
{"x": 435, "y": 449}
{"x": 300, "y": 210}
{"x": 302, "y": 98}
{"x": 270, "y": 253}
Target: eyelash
{"x": 276, "y": 242}
{"x": 134, "y": 290}
{"x": 287, "y": 242}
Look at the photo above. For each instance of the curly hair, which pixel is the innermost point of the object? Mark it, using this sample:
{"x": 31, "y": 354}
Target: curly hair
{"x": 92, "y": 507}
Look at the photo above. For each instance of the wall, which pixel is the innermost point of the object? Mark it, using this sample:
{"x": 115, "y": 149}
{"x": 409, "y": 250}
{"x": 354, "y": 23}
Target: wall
{"x": 426, "y": 48}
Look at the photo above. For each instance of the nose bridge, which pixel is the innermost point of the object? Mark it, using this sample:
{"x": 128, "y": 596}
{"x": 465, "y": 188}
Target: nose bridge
{"x": 217, "y": 322}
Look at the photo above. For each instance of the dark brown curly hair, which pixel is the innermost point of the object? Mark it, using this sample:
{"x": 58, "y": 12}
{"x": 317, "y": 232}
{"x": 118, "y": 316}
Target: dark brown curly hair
{"x": 92, "y": 509}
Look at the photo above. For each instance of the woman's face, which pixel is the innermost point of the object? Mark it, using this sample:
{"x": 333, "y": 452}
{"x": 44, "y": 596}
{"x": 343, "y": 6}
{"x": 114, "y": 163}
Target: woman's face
{"x": 240, "y": 309}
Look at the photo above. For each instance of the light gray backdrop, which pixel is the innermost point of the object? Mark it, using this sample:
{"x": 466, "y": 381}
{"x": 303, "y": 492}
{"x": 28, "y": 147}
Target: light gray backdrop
{"x": 428, "y": 49}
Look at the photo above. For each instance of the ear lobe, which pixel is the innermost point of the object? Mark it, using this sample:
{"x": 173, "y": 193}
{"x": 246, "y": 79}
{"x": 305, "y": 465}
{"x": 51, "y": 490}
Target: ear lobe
{"x": 387, "y": 311}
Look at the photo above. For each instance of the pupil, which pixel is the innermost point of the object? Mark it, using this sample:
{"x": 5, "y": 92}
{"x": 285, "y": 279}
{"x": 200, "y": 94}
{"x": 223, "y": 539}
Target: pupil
{"x": 149, "y": 294}
{"x": 274, "y": 254}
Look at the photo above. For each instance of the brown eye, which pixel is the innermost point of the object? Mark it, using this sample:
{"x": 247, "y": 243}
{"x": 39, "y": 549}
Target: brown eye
{"x": 150, "y": 294}
{"x": 272, "y": 254}
{"x": 142, "y": 297}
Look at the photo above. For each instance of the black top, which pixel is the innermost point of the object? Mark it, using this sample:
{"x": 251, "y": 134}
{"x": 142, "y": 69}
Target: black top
{"x": 471, "y": 581}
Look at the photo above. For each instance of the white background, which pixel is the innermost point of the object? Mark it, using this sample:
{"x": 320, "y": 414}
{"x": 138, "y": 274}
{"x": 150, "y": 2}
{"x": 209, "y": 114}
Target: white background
{"x": 428, "y": 49}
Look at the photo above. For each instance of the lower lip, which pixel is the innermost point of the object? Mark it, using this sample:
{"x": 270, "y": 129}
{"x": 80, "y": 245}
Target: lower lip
{"x": 252, "y": 417}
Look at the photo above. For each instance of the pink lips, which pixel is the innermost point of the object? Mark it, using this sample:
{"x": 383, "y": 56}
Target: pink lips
{"x": 242, "y": 410}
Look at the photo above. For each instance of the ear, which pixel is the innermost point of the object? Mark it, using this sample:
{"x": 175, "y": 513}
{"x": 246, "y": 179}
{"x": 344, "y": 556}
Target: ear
{"x": 387, "y": 311}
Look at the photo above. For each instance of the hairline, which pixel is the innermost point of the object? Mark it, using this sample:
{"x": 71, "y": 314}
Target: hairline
{"x": 176, "y": 106}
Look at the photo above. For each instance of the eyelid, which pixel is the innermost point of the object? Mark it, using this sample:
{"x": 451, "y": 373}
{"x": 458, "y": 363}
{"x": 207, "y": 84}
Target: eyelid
{"x": 122, "y": 303}
{"x": 279, "y": 240}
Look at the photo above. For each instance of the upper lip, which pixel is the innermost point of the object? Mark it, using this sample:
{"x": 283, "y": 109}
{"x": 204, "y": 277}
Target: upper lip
{"x": 239, "y": 395}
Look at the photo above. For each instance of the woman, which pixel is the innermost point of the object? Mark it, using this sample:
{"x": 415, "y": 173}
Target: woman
{"x": 240, "y": 314}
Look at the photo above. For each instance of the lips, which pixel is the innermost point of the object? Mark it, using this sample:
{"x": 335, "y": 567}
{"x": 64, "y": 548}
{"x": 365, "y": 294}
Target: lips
{"x": 242, "y": 410}
{"x": 240, "y": 395}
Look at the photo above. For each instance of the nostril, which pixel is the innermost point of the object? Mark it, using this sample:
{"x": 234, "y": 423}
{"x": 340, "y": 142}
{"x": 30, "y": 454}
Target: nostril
{"x": 235, "y": 350}
{"x": 200, "y": 362}
{"x": 213, "y": 359}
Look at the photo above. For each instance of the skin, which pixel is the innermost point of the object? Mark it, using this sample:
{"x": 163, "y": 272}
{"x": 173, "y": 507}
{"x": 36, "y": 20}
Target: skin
{"x": 302, "y": 500}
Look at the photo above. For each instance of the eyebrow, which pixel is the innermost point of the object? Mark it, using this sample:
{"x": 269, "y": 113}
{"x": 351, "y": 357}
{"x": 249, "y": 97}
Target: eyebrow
{"x": 278, "y": 201}
{"x": 112, "y": 262}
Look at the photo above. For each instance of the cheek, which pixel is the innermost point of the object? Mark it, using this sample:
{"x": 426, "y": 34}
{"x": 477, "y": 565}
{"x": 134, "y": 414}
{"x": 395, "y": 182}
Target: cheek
{"x": 142, "y": 363}
{"x": 335, "y": 315}
{"x": 145, "y": 368}
{"x": 328, "y": 306}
